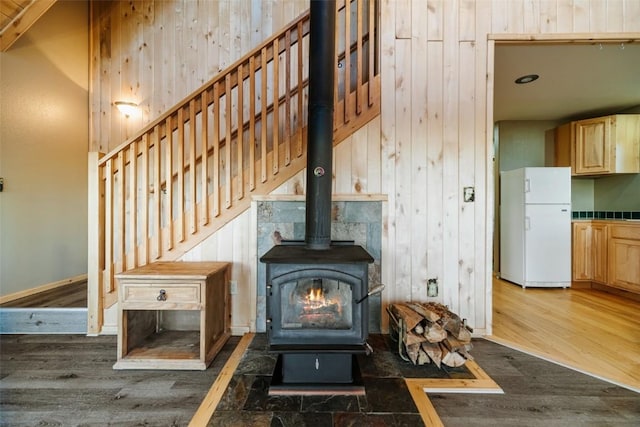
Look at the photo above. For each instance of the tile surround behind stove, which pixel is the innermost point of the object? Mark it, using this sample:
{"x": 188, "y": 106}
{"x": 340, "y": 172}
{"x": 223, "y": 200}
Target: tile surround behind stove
{"x": 360, "y": 221}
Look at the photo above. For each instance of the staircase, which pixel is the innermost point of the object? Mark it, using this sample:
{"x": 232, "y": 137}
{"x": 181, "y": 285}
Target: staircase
{"x": 243, "y": 133}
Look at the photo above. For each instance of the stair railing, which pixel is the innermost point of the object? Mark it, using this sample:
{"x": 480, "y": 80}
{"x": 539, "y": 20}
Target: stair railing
{"x": 189, "y": 172}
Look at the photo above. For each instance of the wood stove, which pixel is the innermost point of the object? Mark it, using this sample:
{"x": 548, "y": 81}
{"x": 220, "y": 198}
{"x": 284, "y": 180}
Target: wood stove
{"x": 317, "y": 314}
{"x": 317, "y": 307}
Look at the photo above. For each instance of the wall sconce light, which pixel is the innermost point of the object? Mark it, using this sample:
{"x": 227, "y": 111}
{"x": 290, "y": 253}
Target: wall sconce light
{"x": 127, "y": 108}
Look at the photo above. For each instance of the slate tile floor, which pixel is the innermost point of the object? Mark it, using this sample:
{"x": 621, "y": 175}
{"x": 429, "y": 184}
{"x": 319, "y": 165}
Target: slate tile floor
{"x": 386, "y": 402}
{"x": 68, "y": 380}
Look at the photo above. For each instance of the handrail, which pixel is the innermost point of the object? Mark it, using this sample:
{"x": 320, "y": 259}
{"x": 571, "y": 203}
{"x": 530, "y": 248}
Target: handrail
{"x": 188, "y": 172}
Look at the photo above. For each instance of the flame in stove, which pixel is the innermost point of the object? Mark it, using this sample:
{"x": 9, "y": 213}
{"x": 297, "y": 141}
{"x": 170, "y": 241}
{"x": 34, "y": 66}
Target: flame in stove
{"x": 316, "y": 302}
{"x": 316, "y": 295}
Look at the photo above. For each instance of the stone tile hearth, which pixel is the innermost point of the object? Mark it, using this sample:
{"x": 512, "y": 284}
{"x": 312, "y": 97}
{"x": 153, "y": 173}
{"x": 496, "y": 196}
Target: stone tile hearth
{"x": 387, "y": 400}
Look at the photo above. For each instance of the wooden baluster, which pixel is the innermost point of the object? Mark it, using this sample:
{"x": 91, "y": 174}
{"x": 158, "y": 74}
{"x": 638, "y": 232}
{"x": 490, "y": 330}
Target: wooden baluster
{"x": 119, "y": 255}
{"x": 133, "y": 204}
{"x": 372, "y": 48}
{"x": 299, "y": 125}
{"x": 287, "y": 100}
{"x": 240, "y": 153}
{"x": 108, "y": 228}
{"x": 337, "y": 120}
{"x": 227, "y": 141}
{"x": 204, "y": 162}
{"x": 157, "y": 228}
{"x": 168, "y": 208}
{"x": 216, "y": 149}
{"x": 252, "y": 123}
{"x": 143, "y": 258}
{"x": 347, "y": 60}
{"x": 180, "y": 173}
{"x": 359, "y": 58}
{"x": 193, "y": 220}
{"x": 275, "y": 137}
{"x": 263, "y": 115}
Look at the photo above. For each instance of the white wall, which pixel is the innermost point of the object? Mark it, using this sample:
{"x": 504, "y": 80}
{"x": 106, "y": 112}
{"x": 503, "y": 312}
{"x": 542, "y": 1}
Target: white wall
{"x": 617, "y": 193}
{"x": 43, "y": 151}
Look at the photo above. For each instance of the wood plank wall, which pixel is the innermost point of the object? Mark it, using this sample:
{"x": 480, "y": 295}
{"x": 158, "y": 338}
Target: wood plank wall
{"x": 431, "y": 140}
{"x": 156, "y": 52}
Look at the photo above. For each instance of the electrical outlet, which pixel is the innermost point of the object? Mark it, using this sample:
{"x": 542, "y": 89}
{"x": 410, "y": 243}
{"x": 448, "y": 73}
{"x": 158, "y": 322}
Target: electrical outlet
{"x": 469, "y": 194}
{"x": 432, "y": 287}
{"x": 233, "y": 285}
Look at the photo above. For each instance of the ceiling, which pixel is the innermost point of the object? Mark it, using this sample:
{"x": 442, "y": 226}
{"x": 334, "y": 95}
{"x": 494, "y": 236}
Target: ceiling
{"x": 17, "y": 16}
{"x": 576, "y": 80}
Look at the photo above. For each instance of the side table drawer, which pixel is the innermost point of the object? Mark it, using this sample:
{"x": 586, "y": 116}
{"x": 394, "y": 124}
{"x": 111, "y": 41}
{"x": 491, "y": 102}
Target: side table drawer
{"x": 159, "y": 295}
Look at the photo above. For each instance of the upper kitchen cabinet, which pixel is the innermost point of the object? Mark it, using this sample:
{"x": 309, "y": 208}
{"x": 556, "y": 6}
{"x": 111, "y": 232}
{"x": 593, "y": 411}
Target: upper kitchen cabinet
{"x": 563, "y": 146}
{"x": 600, "y": 146}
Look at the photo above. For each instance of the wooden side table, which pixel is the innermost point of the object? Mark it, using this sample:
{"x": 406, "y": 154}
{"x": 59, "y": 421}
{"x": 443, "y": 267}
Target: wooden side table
{"x": 147, "y": 294}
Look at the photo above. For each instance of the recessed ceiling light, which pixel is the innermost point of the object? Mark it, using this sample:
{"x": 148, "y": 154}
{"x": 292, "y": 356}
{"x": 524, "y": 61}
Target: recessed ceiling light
{"x": 527, "y": 79}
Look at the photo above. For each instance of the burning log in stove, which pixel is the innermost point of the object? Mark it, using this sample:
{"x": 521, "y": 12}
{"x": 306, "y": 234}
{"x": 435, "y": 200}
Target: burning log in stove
{"x": 318, "y": 303}
{"x": 429, "y": 332}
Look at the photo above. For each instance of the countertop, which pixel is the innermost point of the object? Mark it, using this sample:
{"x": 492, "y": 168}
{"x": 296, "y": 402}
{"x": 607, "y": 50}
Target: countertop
{"x": 614, "y": 220}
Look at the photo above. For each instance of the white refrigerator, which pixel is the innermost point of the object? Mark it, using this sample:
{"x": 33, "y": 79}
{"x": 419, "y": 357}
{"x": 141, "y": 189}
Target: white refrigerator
{"x": 535, "y": 226}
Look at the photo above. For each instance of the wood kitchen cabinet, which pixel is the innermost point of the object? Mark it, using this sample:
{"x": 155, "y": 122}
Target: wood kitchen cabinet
{"x": 624, "y": 257}
{"x": 606, "y": 253}
{"x": 599, "y": 146}
{"x": 607, "y": 145}
{"x": 563, "y": 138}
{"x": 582, "y": 252}
{"x": 599, "y": 252}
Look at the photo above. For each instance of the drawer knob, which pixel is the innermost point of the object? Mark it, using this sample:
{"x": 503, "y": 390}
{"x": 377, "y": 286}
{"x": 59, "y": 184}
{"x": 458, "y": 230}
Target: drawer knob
{"x": 162, "y": 296}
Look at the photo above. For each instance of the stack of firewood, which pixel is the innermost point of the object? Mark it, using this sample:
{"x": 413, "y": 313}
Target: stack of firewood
{"x": 429, "y": 332}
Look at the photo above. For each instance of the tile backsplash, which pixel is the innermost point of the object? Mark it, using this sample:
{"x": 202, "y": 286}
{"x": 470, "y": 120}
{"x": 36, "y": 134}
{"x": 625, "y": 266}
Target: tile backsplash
{"x": 605, "y": 215}
{"x": 360, "y": 221}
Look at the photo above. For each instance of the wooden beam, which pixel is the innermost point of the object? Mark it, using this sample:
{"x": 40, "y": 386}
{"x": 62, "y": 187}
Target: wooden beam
{"x": 22, "y": 22}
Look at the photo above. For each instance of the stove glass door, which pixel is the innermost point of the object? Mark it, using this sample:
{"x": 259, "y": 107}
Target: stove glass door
{"x": 316, "y": 303}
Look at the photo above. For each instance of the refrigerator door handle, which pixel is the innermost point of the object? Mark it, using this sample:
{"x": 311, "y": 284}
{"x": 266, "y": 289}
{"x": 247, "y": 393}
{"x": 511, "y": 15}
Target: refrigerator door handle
{"x": 527, "y": 185}
{"x": 527, "y": 223}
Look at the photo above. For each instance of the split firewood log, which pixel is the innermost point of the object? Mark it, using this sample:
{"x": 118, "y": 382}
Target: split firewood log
{"x": 438, "y": 309}
{"x": 465, "y": 353}
{"x": 449, "y": 320}
{"x": 423, "y": 357}
{"x": 455, "y": 344}
{"x": 412, "y": 352}
{"x": 435, "y": 333}
{"x": 424, "y": 311}
{"x": 464, "y": 335}
{"x": 411, "y": 338}
{"x": 452, "y": 323}
{"x": 433, "y": 351}
{"x": 451, "y": 358}
{"x": 461, "y": 347}
{"x": 410, "y": 318}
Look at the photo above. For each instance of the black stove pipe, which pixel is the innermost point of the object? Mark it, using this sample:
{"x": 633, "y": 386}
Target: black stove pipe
{"x": 320, "y": 123}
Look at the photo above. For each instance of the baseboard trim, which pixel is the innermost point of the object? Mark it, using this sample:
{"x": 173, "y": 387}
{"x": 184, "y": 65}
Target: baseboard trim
{"x": 46, "y": 287}
{"x": 615, "y": 291}
{"x": 43, "y": 321}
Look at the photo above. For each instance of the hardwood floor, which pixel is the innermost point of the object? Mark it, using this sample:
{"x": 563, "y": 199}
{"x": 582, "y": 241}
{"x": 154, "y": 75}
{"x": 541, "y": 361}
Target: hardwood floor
{"x": 590, "y": 330}
{"x": 68, "y": 296}
{"x": 593, "y": 331}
